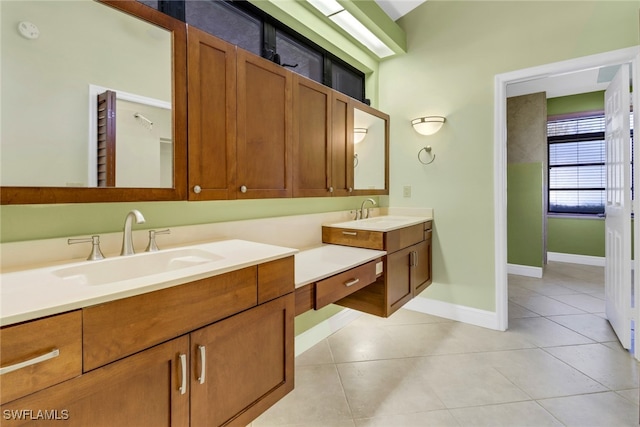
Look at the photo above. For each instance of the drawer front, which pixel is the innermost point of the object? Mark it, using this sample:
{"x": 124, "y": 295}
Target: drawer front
{"x": 358, "y": 238}
{"x": 39, "y": 354}
{"x": 339, "y": 286}
{"x": 404, "y": 237}
{"x": 119, "y": 328}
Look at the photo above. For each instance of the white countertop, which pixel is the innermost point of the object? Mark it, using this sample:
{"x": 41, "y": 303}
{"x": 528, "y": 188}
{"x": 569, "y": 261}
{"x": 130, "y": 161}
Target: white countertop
{"x": 381, "y": 223}
{"x": 327, "y": 260}
{"x": 33, "y": 293}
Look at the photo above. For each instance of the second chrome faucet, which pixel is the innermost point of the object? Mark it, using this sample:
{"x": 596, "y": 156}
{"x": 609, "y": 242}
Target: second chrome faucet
{"x": 127, "y": 236}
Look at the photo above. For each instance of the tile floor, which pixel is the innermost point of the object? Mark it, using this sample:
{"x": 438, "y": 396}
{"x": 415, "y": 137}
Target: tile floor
{"x": 558, "y": 364}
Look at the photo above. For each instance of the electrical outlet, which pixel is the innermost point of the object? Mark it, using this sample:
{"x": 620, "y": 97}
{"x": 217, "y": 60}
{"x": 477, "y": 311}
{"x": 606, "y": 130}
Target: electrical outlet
{"x": 406, "y": 191}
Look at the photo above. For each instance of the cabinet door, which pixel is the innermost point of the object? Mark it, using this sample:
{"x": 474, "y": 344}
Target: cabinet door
{"x": 242, "y": 365}
{"x": 264, "y": 157}
{"x": 141, "y": 390}
{"x": 421, "y": 268}
{"x": 311, "y": 139}
{"x": 398, "y": 279}
{"x": 342, "y": 151}
{"x": 212, "y": 117}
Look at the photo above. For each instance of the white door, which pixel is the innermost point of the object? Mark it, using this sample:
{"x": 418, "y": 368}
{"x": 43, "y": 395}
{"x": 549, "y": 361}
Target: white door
{"x": 618, "y": 207}
{"x": 635, "y": 314}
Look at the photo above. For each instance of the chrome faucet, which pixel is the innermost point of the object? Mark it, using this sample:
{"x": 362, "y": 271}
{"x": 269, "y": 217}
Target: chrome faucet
{"x": 362, "y": 208}
{"x": 127, "y": 237}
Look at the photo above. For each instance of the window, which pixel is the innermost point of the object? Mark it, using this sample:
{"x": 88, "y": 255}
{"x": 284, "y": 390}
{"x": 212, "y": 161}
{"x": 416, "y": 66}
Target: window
{"x": 245, "y": 25}
{"x": 577, "y": 174}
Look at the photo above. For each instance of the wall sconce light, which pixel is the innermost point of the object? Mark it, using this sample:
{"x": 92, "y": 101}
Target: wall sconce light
{"x": 359, "y": 134}
{"x": 427, "y": 126}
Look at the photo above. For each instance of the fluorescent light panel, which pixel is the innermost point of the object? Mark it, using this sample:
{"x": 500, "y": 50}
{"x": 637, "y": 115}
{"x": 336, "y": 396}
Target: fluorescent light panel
{"x": 336, "y": 13}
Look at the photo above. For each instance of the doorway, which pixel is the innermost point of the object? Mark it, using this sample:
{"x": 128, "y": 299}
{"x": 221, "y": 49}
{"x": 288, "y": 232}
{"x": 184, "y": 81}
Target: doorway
{"x": 612, "y": 58}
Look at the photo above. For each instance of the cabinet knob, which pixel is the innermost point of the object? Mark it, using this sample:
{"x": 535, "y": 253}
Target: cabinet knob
{"x": 330, "y": 189}
{"x": 243, "y": 189}
{"x": 197, "y": 189}
{"x": 350, "y": 189}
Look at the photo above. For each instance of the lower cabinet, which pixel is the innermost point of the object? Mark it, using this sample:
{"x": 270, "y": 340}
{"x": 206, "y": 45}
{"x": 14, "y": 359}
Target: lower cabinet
{"x": 242, "y": 365}
{"x": 140, "y": 390}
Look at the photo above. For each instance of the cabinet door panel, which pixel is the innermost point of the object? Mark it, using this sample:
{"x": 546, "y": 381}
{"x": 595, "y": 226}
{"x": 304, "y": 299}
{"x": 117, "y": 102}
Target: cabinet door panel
{"x": 342, "y": 150}
{"x": 311, "y": 142}
{"x": 248, "y": 364}
{"x": 421, "y": 271}
{"x": 398, "y": 278}
{"x": 212, "y": 116}
{"x": 141, "y": 390}
{"x": 263, "y": 128}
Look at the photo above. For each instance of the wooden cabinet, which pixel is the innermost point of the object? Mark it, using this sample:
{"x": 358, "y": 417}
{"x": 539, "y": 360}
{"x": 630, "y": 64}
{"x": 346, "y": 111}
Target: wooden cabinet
{"x": 141, "y": 390}
{"x": 242, "y": 365}
{"x": 264, "y": 160}
{"x": 216, "y": 351}
{"x": 40, "y": 353}
{"x": 407, "y": 266}
{"x": 342, "y": 150}
{"x": 212, "y": 117}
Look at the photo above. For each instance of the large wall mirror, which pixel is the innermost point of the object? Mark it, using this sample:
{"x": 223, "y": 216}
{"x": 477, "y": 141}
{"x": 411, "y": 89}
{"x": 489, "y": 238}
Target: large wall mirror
{"x": 371, "y": 152}
{"x": 93, "y": 102}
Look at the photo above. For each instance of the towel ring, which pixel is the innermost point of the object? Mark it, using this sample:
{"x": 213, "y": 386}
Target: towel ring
{"x": 426, "y": 149}
{"x": 355, "y": 160}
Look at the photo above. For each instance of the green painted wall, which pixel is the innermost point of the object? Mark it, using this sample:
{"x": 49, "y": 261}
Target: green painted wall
{"x": 576, "y": 236}
{"x": 454, "y": 51}
{"x": 524, "y": 214}
{"x": 590, "y": 101}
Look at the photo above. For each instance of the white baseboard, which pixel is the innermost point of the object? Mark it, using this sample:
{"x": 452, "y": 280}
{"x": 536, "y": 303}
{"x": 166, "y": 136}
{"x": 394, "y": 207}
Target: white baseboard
{"x": 524, "y": 270}
{"x": 473, "y": 316}
{"x": 322, "y": 330}
{"x": 576, "y": 259}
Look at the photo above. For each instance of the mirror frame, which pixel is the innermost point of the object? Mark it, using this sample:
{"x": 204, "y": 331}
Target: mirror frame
{"x": 42, "y": 195}
{"x": 375, "y": 192}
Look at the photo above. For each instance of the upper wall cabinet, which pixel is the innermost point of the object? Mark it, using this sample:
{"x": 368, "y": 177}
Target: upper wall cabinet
{"x": 60, "y": 142}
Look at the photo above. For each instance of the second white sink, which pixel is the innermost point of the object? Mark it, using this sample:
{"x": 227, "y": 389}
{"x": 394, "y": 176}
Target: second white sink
{"x": 381, "y": 223}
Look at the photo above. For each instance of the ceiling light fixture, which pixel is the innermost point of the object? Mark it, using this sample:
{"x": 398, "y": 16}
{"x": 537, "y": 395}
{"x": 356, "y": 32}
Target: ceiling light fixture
{"x": 345, "y": 20}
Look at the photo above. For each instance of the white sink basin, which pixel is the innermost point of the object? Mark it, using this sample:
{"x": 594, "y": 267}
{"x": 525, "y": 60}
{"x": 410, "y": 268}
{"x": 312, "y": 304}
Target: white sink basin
{"x": 381, "y": 223}
{"x": 131, "y": 267}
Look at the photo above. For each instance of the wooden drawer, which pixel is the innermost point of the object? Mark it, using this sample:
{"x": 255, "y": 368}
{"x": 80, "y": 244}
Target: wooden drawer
{"x": 404, "y": 237}
{"x": 339, "y": 286}
{"x": 358, "y": 238}
{"x": 119, "y": 328}
{"x": 38, "y": 340}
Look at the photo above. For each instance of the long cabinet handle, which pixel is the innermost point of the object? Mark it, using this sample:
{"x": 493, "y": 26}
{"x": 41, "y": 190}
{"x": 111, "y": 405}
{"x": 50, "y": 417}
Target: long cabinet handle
{"x": 203, "y": 361}
{"x": 47, "y": 356}
{"x": 183, "y": 369}
{"x": 350, "y": 233}
{"x": 351, "y": 282}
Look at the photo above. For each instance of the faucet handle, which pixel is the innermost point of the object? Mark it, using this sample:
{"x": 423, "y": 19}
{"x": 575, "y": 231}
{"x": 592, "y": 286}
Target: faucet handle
{"x": 152, "y": 247}
{"x": 96, "y": 253}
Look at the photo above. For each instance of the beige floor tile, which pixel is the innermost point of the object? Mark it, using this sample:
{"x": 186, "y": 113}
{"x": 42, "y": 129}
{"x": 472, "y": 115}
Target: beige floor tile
{"x": 545, "y": 306}
{"x": 402, "y": 317}
{"x": 520, "y": 414}
{"x": 317, "y": 398}
{"x": 319, "y": 354}
{"x": 544, "y": 333}
{"x": 359, "y": 342}
{"x": 590, "y": 325}
{"x": 387, "y": 387}
{"x": 441, "y": 418}
{"x": 613, "y": 369}
{"x": 632, "y": 395}
{"x": 583, "y": 302}
{"x": 518, "y": 312}
{"x": 541, "y": 375}
{"x": 593, "y": 410}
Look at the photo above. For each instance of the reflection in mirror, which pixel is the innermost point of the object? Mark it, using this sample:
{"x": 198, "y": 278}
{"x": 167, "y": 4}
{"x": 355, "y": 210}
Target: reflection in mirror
{"x": 369, "y": 161}
{"x": 48, "y": 123}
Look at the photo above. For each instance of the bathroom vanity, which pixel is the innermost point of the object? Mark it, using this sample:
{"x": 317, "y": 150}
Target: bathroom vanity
{"x": 214, "y": 350}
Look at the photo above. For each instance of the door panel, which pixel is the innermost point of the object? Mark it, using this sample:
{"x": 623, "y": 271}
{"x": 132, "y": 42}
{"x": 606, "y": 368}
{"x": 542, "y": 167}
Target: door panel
{"x": 618, "y": 207}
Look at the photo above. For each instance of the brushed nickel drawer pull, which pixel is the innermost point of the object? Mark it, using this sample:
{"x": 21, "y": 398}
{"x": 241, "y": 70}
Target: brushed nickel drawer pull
{"x": 50, "y": 355}
{"x": 351, "y": 282}
{"x": 350, "y": 233}
{"x": 183, "y": 369}
{"x": 203, "y": 360}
